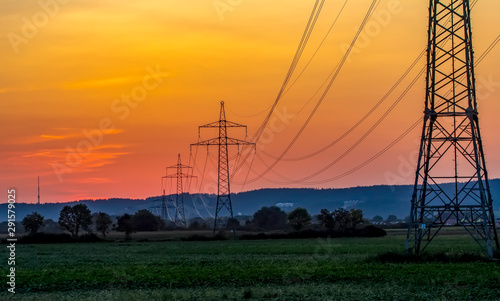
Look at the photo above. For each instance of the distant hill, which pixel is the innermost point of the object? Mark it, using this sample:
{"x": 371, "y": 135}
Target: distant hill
{"x": 373, "y": 200}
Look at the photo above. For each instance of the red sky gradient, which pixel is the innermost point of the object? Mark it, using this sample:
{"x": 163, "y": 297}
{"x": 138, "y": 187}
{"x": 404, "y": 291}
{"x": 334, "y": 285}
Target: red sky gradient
{"x": 68, "y": 68}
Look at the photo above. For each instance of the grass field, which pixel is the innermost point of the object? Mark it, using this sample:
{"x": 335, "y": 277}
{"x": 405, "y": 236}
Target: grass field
{"x": 302, "y": 269}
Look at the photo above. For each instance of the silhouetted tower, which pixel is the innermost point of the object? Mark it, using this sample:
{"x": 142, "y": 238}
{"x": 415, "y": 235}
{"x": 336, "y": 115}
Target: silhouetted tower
{"x": 38, "y": 190}
{"x": 163, "y": 207}
{"x": 451, "y": 149}
{"x": 180, "y": 217}
{"x": 223, "y": 141}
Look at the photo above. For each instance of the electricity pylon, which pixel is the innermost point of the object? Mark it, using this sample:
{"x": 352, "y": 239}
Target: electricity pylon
{"x": 164, "y": 206}
{"x": 451, "y": 149}
{"x": 180, "y": 217}
{"x": 38, "y": 190}
{"x": 223, "y": 141}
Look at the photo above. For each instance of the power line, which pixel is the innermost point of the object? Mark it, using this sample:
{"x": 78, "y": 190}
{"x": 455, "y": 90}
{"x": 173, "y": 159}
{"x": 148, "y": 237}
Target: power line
{"x": 269, "y": 167}
{"x": 288, "y": 181}
{"x": 334, "y": 77}
{"x": 305, "y": 67}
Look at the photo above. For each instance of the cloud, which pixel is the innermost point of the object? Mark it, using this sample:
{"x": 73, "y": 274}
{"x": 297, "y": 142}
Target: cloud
{"x": 102, "y": 83}
{"x": 70, "y": 133}
{"x": 40, "y": 154}
{"x": 95, "y": 181}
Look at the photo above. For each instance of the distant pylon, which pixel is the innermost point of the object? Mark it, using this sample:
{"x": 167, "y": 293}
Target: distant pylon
{"x": 180, "y": 217}
{"x": 38, "y": 190}
{"x": 164, "y": 212}
{"x": 223, "y": 141}
{"x": 162, "y": 208}
{"x": 451, "y": 149}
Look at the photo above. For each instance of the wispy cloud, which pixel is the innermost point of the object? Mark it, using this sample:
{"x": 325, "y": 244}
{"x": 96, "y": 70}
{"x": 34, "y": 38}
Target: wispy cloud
{"x": 40, "y": 154}
{"x": 102, "y": 83}
{"x": 68, "y": 133}
{"x": 95, "y": 181}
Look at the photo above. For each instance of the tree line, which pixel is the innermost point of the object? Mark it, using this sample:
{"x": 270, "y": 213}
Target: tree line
{"x": 78, "y": 218}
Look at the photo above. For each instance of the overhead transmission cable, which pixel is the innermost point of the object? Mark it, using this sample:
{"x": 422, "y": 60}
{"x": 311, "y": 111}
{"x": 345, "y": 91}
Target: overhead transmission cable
{"x": 385, "y": 149}
{"x": 325, "y": 92}
{"x": 359, "y": 140}
{"x": 303, "y": 42}
{"x": 306, "y": 65}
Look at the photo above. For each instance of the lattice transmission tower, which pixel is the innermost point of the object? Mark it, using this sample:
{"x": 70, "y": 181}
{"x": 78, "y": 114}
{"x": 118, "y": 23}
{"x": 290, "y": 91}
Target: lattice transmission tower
{"x": 162, "y": 209}
{"x": 451, "y": 150}
{"x": 179, "y": 174}
{"x": 223, "y": 141}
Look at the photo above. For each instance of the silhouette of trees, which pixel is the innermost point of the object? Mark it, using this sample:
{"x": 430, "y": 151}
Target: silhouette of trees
{"x": 325, "y": 218}
{"x": 51, "y": 226}
{"x": 299, "y": 218}
{"x": 340, "y": 219}
{"x": 198, "y": 225}
{"x": 75, "y": 218}
{"x": 269, "y": 218}
{"x": 144, "y": 220}
{"x": 33, "y": 222}
{"x": 391, "y": 219}
{"x": 356, "y": 217}
{"x": 124, "y": 224}
{"x": 103, "y": 223}
{"x": 232, "y": 223}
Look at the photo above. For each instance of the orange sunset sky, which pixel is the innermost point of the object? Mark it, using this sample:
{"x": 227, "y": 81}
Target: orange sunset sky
{"x": 68, "y": 69}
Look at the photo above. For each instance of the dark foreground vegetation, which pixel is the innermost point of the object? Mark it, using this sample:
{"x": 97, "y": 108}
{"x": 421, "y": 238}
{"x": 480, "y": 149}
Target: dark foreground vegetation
{"x": 284, "y": 269}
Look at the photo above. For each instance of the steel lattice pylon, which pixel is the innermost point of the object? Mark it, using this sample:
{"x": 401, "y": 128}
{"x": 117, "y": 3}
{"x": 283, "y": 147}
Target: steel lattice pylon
{"x": 180, "y": 217}
{"x": 451, "y": 149}
{"x": 223, "y": 141}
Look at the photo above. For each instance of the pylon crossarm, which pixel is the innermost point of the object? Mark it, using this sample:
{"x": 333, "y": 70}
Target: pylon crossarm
{"x": 175, "y": 176}
{"x": 213, "y": 141}
{"x": 218, "y": 141}
{"x": 234, "y": 141}
{"x": 179, "y": 166}
{"x": 228, "y": 124}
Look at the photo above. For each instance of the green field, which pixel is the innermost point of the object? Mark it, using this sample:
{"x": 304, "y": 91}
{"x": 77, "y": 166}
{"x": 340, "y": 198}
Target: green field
{"x": 302, "y": 269}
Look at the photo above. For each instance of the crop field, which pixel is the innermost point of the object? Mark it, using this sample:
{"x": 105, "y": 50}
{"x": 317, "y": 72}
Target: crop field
{"x": 287, "y": 269}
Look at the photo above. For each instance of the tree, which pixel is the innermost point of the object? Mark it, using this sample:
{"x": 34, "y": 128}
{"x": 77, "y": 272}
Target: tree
{"x": 102, "y": 223}
{"x": 124, "y": 224}
{"x": 194, "y": 225}
{"x": 299, "y": 218}
{"x": 144, "y": 220}
{"x": 33, "y": 222}
{"x": 325, "y": 218}
{"x": 270, "y": 218}
{"x": 197, "y": 223}
{"x": 75, "y": 218}
{"x": 391, "y": 219}
{"x": 51, "y": 226}
{"x": 356, "y": 216}
{"x": 232, "y": 223}
{"x": 377, "y": 219}
{"x": 342, "y": 219}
